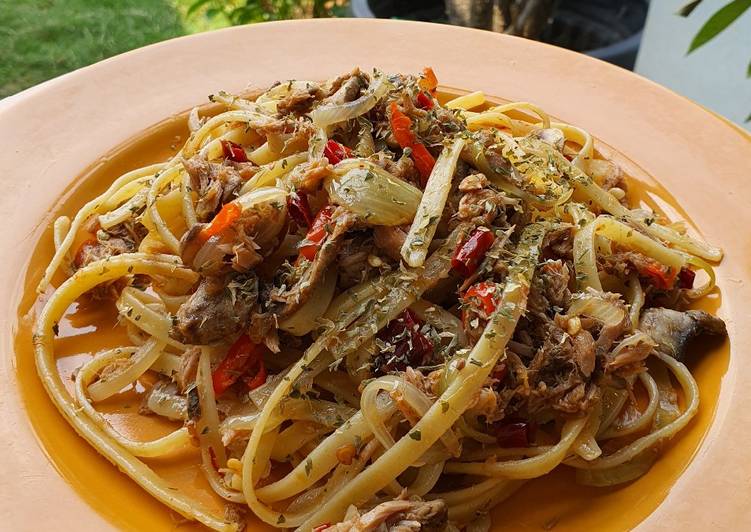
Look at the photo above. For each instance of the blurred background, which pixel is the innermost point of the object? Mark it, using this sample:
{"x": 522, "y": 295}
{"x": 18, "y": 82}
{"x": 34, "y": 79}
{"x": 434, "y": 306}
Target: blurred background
{"x": 699, "y": 48}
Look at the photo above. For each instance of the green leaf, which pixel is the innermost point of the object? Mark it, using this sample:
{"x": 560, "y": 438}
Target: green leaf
{"x": 688, "y": 8}
{"x": 195, "y": 6}
{"x": 718, "y": 22}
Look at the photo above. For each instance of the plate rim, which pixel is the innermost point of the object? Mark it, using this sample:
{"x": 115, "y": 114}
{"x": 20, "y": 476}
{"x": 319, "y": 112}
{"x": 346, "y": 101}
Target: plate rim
{"x": 21, "y": 106}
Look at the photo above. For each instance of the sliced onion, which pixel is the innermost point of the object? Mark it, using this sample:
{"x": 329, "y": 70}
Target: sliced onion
{"x": 425, "y": 222}
{"x": 598, "y": 306}
{"x": 373, "y": 193}
{"x": 330, "y": 113}
{"x": 166, "y": 402}
{"x": 440, "y": 318}
{"x": 306, "y": 318}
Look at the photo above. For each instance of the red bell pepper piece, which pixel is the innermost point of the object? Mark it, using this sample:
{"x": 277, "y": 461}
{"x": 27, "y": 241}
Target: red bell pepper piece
{"x": 429, "y": 81}
{"x": 242, "y": 357}
{"x": 299, "y": 209}
{"x": 469, "y": 254}
{"x": 224, "y": 219}
{"x": 686, "y": 278}
{"x": 515, "y": 433}
{"x": 661, "y": 277}
{"x": 424, "y": 101}
{"x": 411, "y": 347}
{"x": 336, "y": 152}
{"x": 253, "y": 382}
{"x": 317, "y": 233}
{"x": 234, "y": 151}
{"x": 484, "y": 292}
{"x": 401, "y": 127}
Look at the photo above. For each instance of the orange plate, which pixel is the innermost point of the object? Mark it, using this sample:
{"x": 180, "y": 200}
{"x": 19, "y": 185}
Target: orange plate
{"x": 55, "y": 131}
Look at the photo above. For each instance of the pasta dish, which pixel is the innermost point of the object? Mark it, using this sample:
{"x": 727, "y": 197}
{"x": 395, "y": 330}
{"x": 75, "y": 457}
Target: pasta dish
{"x": 363, "y": 306}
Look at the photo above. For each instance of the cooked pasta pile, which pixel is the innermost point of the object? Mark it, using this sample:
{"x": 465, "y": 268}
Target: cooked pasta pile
{"x": 368, "y": 308}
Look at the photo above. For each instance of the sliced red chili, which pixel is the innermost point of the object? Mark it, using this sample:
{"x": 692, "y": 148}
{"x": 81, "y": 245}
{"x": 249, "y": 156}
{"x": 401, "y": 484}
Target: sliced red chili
{"x": 514, "y": 433}
{"x": 242, "y": 356}
{"x": 234, "y": 151}
{"x": 659, "y": 276}
{"x": 317, "y": 233}
{"x": 259, "y": 379}
{"x": 224, "y": 219}
{"x": 322, "y": 527}
{"x": 469, "y": 254}
{"x": 484, "y": 292}
{"x": 407, "y": 345}
{"x": 429, "y": 81}
{"x": 424, "y": 101}
{"x": 336, "y": 152}
{"x": 401, "y": 127}
{"x": 299, "y": 209}
{"x": 686, "y": 278}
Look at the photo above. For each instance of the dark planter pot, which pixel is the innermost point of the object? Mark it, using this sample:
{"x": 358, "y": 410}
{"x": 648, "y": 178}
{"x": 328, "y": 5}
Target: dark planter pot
{"x": 606, "y": 29}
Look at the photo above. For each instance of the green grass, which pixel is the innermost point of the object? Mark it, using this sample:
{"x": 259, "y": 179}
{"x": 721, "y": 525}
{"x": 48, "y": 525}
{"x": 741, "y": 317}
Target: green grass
{"x": 41, "y": 39}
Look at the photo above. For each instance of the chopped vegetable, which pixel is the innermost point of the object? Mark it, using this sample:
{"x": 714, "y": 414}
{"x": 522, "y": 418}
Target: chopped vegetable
{"x": 484, "y": 292}
{"x": 299, "y": 209}
{"x": 424, "y": 101}
{"x": 229, "y": 213}
{"x": 469, "y": 254}
{"x": 686, "y": 278}
{"x": 428, "y": 81}
{"x": 317, "y": 233}
{"x": 234, "y": 151}
{"x": 401, "y": 126}
{"x": 372, "y": 193}
{"x": 242, "y": 357}
{"x": 659, "y": 276}
{"x": 514, "y": 433}
{"x": 322, "y": 527}
{"x": 403, "y": 344}
{"x": 336, "y": 152}
{"x": 415, "y": 248}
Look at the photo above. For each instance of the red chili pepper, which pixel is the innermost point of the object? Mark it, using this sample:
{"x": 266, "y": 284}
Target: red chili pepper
{"x": 336, "y": 152}
{"x": 299, "y": 209}
{"x": 324, "y": 526}
{"x": 661, "y": 277}
{"x": 484, "y": 292}
{"x": 401, "y": 127}
{"x": 424, "y": 101}
{"x": 410, "y": 346}
{"x": 429, "y": 81}
{"x": 469, "y": 254}
{"x": 222, "y": 221}
{"x": 515, "y": 433}
{"x": 686, "y": 278}
{"x": 234, "y": 151}
{"x": 258, "y": 379}
{"x": 424, "y": 162}
{"x": 242, "y": 357}
{"x": 317, "y": 233}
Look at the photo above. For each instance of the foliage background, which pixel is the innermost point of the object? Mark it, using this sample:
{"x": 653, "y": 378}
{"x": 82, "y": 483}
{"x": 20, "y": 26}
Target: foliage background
{"x": 41, "y": 39}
